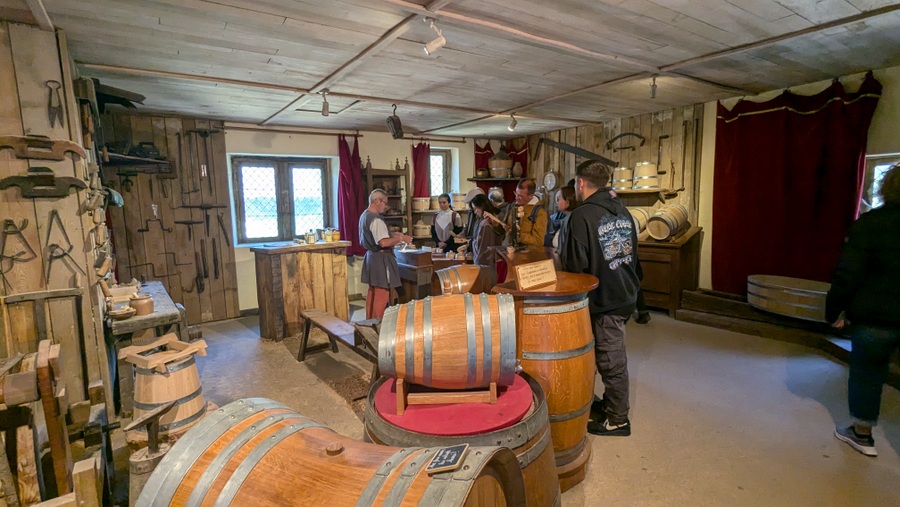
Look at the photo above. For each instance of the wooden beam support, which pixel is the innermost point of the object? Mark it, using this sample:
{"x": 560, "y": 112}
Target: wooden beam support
{"x": 40, "y": 15}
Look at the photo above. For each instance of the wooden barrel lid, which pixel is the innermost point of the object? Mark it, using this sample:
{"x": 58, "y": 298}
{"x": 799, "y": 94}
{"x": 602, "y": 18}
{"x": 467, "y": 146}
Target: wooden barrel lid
{"x": 513, "y": 403}
{"x": 567, "y": 284}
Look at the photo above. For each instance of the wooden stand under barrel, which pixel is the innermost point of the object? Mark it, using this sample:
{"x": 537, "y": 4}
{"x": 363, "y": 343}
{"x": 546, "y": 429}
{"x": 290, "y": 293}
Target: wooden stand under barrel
{"x": 555, "y": 345}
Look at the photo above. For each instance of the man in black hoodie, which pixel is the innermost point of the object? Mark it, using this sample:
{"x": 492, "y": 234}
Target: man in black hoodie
{"x": 865, "y": 292}
{"x": 600, "y": 240}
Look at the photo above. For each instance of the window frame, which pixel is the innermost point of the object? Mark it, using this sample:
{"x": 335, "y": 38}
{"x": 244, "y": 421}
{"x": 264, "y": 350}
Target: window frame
{"x": 448, "y": 163}
{"x": 866, "y": 197}
{"x": 284, "y": 193}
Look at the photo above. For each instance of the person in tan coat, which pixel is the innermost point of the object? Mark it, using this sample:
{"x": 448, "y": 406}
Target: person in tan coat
{"x": 531, "y": 216}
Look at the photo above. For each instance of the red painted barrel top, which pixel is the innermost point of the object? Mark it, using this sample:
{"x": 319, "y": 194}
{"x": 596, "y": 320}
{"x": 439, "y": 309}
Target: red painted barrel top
{"x": 513, "y": 403}
{"x": 567, "y": 284}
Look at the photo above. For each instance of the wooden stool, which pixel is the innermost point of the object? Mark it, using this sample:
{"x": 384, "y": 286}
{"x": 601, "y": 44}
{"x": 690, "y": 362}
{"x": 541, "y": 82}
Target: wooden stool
{"x": 361, "y": 337}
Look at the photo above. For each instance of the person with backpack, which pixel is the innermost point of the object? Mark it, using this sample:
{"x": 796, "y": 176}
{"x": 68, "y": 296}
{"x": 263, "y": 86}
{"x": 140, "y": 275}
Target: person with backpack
{"x": 530, "y": 216}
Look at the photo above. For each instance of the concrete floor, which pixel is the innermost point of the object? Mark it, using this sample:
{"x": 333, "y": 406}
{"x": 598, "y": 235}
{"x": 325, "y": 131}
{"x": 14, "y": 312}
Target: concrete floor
{"x": 719, "y": 418}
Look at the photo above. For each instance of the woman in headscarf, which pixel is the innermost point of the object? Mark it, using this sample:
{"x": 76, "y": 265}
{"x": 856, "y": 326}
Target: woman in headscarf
{"x": 446, "y": 223}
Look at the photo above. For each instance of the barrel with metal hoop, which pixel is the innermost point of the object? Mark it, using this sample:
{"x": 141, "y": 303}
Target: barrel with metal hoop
{"x": 457, "y": 341}
{"x": 261, "y": 453}
{"x": 667, "y": 221}
{"x": 463, "y": 278}
{"x": 792, "y": 297}
{"x": 645, "y": 176}
{"x": 176, "y": 380}
{"x": 519, "y": 421}
{"x": 555, "y": 344}
{"x": 622, "y": 178}
{"x": 640, "y": 215}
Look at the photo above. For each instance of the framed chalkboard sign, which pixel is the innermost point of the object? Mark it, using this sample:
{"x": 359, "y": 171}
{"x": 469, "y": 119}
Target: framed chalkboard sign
{"x": 447, "y": 459}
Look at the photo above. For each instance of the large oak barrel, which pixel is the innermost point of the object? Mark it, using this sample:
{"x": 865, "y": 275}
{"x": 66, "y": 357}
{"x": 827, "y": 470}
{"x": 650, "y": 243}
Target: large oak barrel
{"x": 555, "y": 344}
{"x": 793, "y": 297}
{"x": 181, "y": 384}
{"x": 667, "y": 221}
{"x": 458, "y": 341}
{"x": 463, "y": 278}
{"x": 528, "y": 436}
{"x": 258, "y": 452}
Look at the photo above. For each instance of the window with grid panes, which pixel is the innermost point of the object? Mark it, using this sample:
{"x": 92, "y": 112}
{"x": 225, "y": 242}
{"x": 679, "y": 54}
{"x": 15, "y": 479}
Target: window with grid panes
{"x": 439, "y": 172}
{"x": 876, "y": 167}
{"x": 278, "y": 199}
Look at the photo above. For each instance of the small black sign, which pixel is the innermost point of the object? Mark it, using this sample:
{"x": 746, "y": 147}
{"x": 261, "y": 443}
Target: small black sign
{"x": 447, "y": 458}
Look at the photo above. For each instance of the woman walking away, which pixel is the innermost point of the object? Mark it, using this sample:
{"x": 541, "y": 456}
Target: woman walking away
{"x": 865, "y": 294}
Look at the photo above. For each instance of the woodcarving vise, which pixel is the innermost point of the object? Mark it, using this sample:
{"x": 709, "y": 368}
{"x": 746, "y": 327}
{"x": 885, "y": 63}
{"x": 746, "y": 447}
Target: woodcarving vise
{"x": 41, "y": 182}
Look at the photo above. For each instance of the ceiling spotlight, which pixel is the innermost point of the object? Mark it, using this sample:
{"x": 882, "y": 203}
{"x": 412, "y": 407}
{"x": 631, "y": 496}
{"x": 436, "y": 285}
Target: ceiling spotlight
{"x": 325, "y": 110}
{"x": 437, "y": 43}
{"x": 653, "y": 88}
{"x": 512, "y": 122}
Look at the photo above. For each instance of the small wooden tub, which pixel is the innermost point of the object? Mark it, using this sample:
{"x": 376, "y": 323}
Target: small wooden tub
{"x": 792, "y": 297}
{"x": 476, "y": 424}
{"x": 260, "y": 453}
{"x": 457, "y": 341}
{"x": 461, "y": 279}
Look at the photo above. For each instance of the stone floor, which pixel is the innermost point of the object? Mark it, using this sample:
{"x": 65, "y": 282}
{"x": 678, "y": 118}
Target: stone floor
{"x": 719, "y": 418}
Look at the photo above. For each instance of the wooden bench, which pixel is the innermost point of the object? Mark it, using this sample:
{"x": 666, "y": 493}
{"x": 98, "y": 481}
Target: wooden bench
{"x": 361, "y": 337}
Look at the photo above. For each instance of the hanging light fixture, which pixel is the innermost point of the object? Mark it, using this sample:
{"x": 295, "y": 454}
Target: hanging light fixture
{"x": 653, "y": 88}
{"x": 325, "y": 110}
{"x": 437, "y": 43}
{"x": 512, "y": 122}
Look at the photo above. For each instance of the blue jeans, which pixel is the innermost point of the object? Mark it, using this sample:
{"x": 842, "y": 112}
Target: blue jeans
{"x": 869, "y": 360}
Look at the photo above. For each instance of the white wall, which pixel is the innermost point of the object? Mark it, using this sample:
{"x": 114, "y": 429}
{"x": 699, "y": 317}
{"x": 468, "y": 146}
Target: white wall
{"x": 378, "y": 146}
{"x": 883, "y": 138}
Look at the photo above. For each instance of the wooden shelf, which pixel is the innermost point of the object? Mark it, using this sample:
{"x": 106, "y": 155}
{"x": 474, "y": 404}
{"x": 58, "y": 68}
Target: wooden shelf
{"x": 393, "y": 217}
{"x": 426, "y": 212}
{"x": 421, "y": 237}
{"x": 647, "y": 191}
{"x": 495, "y": 179}
{"x": 385, "y": 172}
{"x": 117, "y": 160}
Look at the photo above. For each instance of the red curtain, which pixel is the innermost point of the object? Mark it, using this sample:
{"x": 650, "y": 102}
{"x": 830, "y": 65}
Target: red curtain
{"x": 788, "y": 179}
{"x": 518, "y": 154}
{"x": 421, "y": 155}
{"x": 351, "y": 198}
{"x": 483, "y": 155}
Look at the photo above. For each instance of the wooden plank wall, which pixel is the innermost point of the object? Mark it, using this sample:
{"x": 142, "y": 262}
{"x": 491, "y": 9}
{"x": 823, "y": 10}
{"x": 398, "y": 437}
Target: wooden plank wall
{"x": 29, "y": 58}
{"x": 164, "y": 251}
{"x": 677, "y": 152}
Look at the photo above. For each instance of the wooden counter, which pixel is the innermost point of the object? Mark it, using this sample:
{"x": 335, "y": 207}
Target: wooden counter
{"x": 294, "y": 277}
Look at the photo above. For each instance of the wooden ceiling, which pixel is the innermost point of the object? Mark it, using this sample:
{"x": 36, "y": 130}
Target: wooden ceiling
{"x": 555, "y": 64}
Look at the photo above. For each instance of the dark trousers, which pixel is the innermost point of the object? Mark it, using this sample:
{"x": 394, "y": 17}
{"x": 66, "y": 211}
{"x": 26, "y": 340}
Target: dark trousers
{"x": 869, "y": 361}
{"x": 612, "y": 364}
{"x": 641, "y": 305}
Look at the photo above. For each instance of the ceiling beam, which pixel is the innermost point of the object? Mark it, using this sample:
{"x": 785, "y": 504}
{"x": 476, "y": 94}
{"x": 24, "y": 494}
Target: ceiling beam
{"x": 40, "y": 14}
{"x": 522, "y": 35}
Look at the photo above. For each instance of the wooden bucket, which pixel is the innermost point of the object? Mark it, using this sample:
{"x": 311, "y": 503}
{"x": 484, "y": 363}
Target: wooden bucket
{"x": 793, "y": 297}
{"x": 622, "y": 178}
{"x": 667, "y": 221}
{"x": 644, "y": 170}
{"x": 457, "y": 201}
{"x": 461, "y": 279}
{"x": 261, "y": 453}
{"x": 529, "y": 439}
{"x": 434, "y": 202}
{"x": 457, "y": 341}
{"x": 641, "y": 216}
{"x": 421, "y": 203}
{"x": 167, "y": 374}
{"x": 556, "y": 346}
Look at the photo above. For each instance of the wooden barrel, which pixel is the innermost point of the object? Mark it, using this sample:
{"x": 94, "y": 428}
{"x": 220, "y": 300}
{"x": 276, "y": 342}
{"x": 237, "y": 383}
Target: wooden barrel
{"x": 180, "y": 383}
{"x": 793, "y": 297}
{"x": 555, "y": 344}
{"x": 457, "y": 341}
{"x": 261, "y": 453}
{"x": 461, "y": 279}
{"x": 528, "y": 437}
{"x": 641, "y": 216}
{"x": 667, "y": 221}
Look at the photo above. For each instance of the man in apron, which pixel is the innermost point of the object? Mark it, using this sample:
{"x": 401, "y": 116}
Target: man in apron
{"x": 379, "y": 269}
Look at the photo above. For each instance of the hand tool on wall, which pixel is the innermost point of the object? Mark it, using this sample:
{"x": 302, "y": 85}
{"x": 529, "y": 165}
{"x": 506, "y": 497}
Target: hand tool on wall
{"x": 207, "y": 169}
{"x": 189, "y": 224}
{"x": 215, "y": 252}
{"x": 11, "y": 229}
{"x": 199, "y": 278}
{"x": 620, "y": 136}
{"x": 146, "y": 226}
{"x": 152, "y": 271}
{"x": 203, "y": 255}
{"x": 579, "y": 151}
{"x": 54, "y": 103}
{"x": 126, "y": 179}
{"x": 55, "y": 250}
{"x": 40, "y": 147}
{"x": 41, "y": 182}
{"x": 143, "y": 462}
{"x": 221, "y": 218}
{"x": 659, "y": 169}
{"x": 206, "y": 213}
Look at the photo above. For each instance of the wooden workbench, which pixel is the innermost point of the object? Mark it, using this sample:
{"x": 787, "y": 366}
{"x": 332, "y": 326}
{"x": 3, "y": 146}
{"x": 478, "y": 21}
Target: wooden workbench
{"x": 294, "y": 277}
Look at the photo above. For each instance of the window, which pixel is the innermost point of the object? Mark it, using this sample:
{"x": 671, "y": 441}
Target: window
{"x": 439, "y": 171}
{"x": 876, "y": 167}
{"x": 280, "y": 198}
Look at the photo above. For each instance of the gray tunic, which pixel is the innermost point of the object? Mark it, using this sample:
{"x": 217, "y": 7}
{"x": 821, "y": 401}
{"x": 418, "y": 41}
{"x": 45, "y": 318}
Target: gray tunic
{"x": 380, "y": 267}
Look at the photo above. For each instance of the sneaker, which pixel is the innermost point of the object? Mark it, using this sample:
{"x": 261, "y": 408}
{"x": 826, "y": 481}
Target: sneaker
{"x": 862, "y": 443}
{"x": 643, "y": 318}
{"x": 605, "y": 429}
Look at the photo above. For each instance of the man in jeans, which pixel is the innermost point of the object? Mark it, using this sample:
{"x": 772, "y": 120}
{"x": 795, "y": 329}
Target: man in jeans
{"x": 865, "y": 292}
{"x": 600, "y": 240}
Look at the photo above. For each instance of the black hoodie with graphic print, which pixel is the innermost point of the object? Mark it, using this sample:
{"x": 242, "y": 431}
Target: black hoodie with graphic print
{"x": 600, "y": 240}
